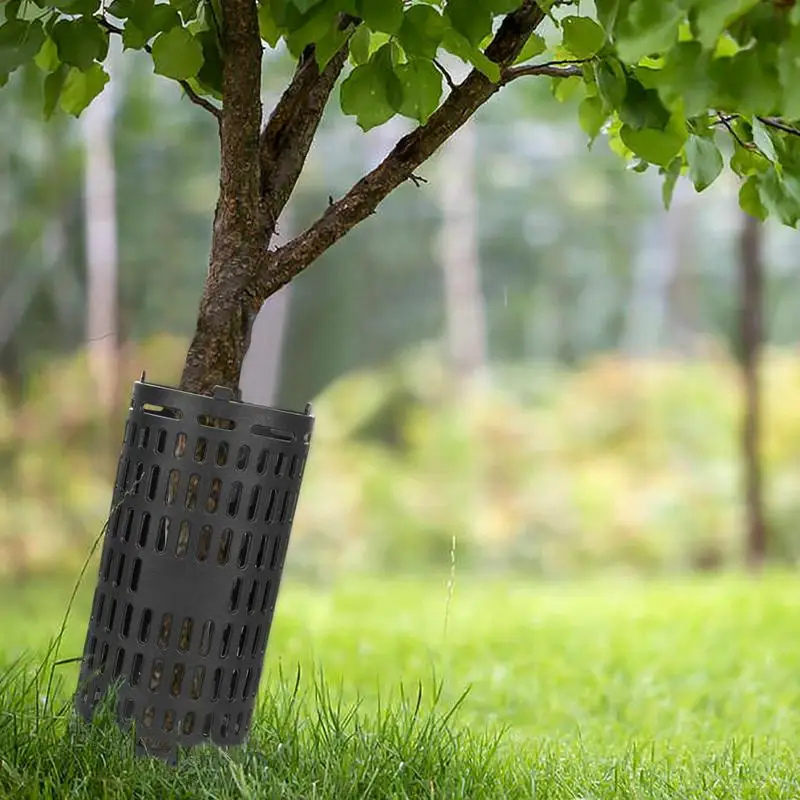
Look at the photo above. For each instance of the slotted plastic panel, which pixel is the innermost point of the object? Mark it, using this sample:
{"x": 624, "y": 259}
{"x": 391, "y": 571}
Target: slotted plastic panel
{"x": 202, "y": 510}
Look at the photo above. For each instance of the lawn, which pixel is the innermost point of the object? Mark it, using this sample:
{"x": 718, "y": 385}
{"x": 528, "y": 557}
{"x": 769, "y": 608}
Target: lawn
{"x": 603, "y": 689}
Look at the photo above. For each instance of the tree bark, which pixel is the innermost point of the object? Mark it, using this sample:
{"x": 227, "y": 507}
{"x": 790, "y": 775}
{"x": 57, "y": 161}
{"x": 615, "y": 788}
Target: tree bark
{"x": 751, "y": 336}
{"x": 258, "y": 171}
{"x": 240, "y": 224}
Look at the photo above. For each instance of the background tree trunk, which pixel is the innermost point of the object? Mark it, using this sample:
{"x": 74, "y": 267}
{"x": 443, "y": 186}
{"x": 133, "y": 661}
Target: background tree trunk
{"x": 751, "y": 301}
{"x": 459, "y": 254}
{"x": 653, "y": 271}
{"x": 682, "y": 315}
{"x": 101, "y": 245}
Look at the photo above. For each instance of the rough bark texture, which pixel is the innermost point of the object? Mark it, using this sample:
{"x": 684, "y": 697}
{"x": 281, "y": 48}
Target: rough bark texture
{"x": 751, "y": 333}
{"x": 239, "y": 235}
{"x": 260, "y": 169}
{"x": 289, "y": 133}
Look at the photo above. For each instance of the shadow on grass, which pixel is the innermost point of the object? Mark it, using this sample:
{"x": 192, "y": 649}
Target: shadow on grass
{"x": 303, "y": 745}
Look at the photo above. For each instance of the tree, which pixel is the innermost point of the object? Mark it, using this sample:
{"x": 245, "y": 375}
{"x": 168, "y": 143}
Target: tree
{"x": 674, "y": 84}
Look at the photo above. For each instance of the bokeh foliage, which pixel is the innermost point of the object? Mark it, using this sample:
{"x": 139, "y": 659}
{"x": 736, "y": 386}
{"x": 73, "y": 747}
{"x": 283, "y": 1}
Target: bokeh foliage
{"x": 628, "y": 466}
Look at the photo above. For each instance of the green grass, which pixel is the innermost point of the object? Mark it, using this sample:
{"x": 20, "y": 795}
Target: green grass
{"x": 610, "y": 689}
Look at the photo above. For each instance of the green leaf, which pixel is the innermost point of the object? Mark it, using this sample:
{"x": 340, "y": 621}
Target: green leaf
{"x": 655, "y": 146}
{"x": 535, "y": 46}
{"x": 685, "y": 78}
{"x": 133, "y": 37}
{"x": 81, "y": 87}
{"x": 762, "y": 139}
{"x": 20, "y": 41}
{"x": 777, "y": 198}
{"x": 612, "y": 83}
{"x": 359, "y": 45}
{"x": 747, "y": 82}
{"x": 145, "y": 20}
{"x": 304, "y": 6}
{"x": 455, "y": 43}
{"x": 384, "y": 59}
{"x": 422, "y": 88}
{"x": 382, "y": 15}
{"x": 583, "y": 37}
{"x": 564, "y": 88}
{"x": 188, "y": 8}
{"x": 649, "y": 26}
{"x": 80, "y": 42}
{"x": 315, "y": 26}
{"x": 267, "y": 26}
{"x": 122, "y": 9}
{"x": 671, "y": 175}
{"x": 592, "y": 115}
{"x": 12, "y": 9}
{"x": 329, "y": 45}
{"x": 210, "y": 74}
{"x": 496, "y": 7}
{"x": 750, "y": 200}
{"x": 372, "y": 92}
{"x": 704, "y": 160}
{"x": 87, "y": 7}
{"x": 363, "y": 96}
{"x": 642, "y": 108}
{"x": 53, "y": 85}
{"x": 745, "y": 161}
{"x": 47, "y": 58}
{"x": 469, "y": 19}
{"x": 607, "y": 11}
{"x": 712, "y": 17}
{"x": 422, "y": 31}
{"x": 177, "y": 54}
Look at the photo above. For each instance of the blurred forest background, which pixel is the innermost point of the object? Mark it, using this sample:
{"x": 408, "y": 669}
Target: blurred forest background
{"x": 523, "y": 363}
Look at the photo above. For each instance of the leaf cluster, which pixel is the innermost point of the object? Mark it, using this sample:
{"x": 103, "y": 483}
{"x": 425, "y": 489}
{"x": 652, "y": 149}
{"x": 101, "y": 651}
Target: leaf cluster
{"x": 682, "y": 86}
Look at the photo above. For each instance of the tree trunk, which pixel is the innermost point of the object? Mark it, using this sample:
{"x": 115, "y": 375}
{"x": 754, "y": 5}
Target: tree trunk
{"x": 751, "y": 341}
{"x": 100, "y": 219}
{"x": 259, "y": 169}
{"x": 647, "y": 307}
{"x": 682, "y": 314}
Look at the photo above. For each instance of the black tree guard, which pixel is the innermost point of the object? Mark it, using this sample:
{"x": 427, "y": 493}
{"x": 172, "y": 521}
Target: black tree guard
{"x": 191, "y": 566}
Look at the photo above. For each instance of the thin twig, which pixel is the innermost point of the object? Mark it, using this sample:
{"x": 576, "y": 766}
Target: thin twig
{"x": 190, "y": 93}
{"x": 551, "y": 69}
{"x": 779, "y": 124}
{"x": 447, "y": 76}
{"x": 726, "y": 121}
{"x": 417, "y": 180}
{"x": 279, "y": 266}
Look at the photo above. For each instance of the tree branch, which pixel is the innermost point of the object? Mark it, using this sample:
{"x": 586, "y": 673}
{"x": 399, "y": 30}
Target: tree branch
{"x": 278, "y": 267}
{"x": 185, "y": 85}
{"x": 779, "y": 124}
{"x": 726, "y": 121}
{"x": 287, "y": 137}
{"x": 552, "y": 69}
{"x": 445, "y": 74}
